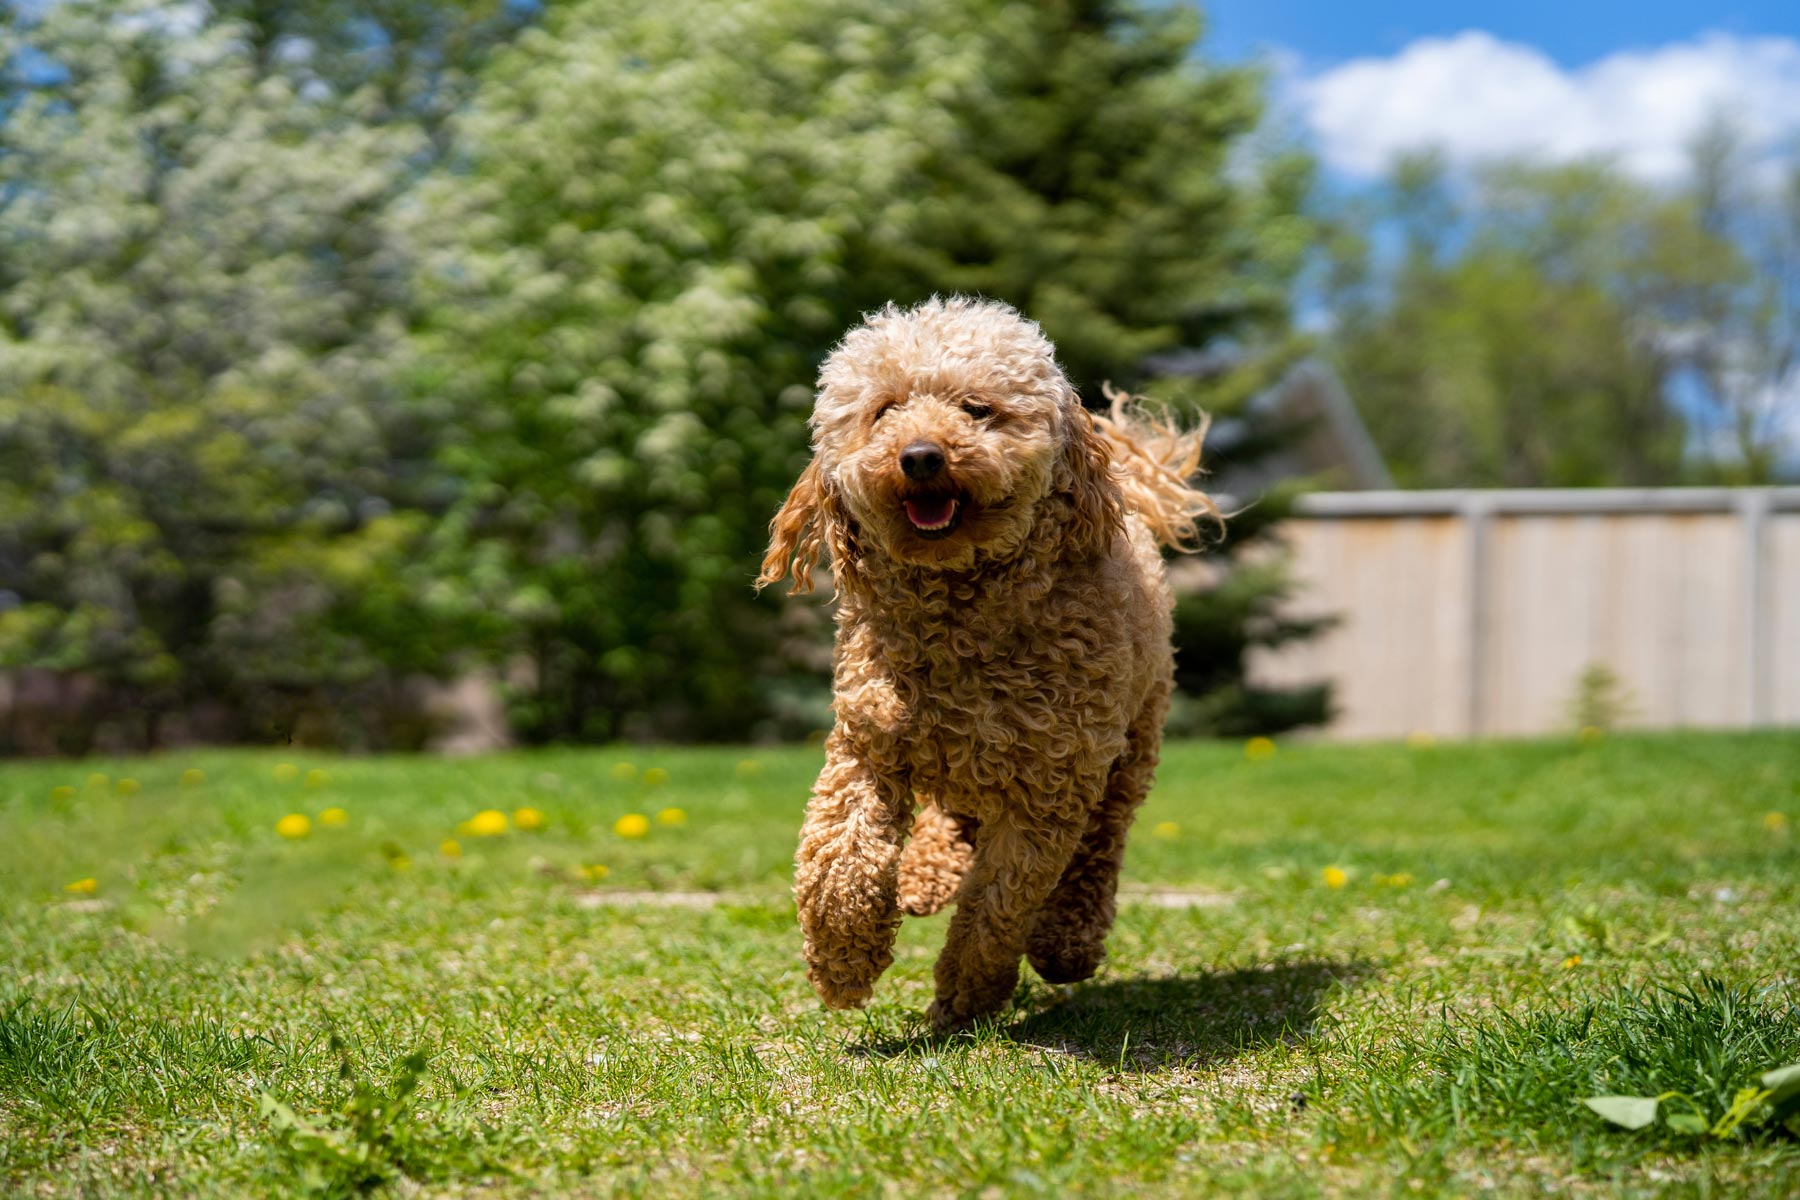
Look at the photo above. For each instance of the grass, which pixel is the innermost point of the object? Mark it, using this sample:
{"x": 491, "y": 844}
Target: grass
{"x": 218, "y": 1009}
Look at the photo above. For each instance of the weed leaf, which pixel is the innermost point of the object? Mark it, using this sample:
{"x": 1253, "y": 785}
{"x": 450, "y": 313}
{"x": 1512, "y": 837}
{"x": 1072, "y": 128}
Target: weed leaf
{"x": 1633, "y": 1112}
{"x": 1687, "y": 1123}
{"x": 1784, "y": 1086}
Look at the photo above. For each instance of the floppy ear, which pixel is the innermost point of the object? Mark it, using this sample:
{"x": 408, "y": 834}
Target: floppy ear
{"x": 797, "y": 533}
{"x": 1085, "y": 475}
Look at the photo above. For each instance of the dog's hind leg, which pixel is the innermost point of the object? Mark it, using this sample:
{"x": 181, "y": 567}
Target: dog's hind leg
{"x": 1068, "y": 936}
{"x": 933, "y": 862}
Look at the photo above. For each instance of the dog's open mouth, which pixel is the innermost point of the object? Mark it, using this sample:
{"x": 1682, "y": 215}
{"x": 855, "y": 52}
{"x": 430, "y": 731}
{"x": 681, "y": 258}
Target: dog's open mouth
{"x": 932, "y": 516}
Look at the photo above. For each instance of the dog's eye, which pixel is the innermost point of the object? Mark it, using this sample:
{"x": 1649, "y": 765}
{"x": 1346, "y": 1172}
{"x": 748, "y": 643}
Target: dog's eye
{"x": 883, "y": 411}
{"x": 977, "y": 409}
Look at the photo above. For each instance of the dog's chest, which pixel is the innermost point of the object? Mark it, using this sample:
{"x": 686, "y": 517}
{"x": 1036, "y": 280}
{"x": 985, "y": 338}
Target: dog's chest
{"x": 984, "y": 705}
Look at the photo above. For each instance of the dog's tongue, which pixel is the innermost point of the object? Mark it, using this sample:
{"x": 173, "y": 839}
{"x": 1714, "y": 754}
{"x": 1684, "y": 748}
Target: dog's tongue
{"x": 931, "y": 512}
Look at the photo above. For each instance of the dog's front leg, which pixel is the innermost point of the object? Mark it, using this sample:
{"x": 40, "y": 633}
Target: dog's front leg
{"x": 846, "y": 881}
{"x": 1018, "y": 860}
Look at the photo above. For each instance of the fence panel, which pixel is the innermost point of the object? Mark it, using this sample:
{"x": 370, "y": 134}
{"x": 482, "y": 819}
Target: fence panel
{"x": 1477, "y": 612}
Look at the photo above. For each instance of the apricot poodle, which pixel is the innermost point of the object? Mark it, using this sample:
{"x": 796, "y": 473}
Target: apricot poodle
{"x": 1002, "y": 657}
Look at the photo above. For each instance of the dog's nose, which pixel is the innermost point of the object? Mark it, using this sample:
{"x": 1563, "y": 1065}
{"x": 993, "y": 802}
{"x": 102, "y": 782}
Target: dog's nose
{"x": 922, "y": 460}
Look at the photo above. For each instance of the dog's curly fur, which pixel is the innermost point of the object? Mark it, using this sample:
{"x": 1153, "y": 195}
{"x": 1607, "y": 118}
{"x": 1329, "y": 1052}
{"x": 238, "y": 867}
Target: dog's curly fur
{"x": 1010, "y": 674}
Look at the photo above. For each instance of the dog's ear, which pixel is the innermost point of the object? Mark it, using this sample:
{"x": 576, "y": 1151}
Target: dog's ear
{"x": 798, "y": 532}
{"x": 1085, "y": 474}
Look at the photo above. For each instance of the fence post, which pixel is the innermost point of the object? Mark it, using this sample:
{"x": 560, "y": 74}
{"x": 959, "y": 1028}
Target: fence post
{"x": 1752, "y": 505}
{"x": 1477, "y": 514}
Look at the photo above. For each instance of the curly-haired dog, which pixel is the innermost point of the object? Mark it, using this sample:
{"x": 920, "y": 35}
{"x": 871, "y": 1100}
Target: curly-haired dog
{"x": 1002, "y": 650}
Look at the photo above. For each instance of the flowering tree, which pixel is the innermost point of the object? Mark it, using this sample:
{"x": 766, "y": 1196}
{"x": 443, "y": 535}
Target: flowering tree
{"x": 202, "y": 307}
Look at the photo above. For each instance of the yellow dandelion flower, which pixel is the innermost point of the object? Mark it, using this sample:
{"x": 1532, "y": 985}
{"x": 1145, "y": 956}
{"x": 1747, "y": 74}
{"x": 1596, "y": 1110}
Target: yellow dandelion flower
{"x": 489, "y": 822}
{"x": 594, "y": 872}
{"x": 1399, "y": 879}
{"x": 62, "y": 792}
{"x": 400, "y": 862}
{"x": 671, "y": 816}
{"x": 1571, "y": 962}
{"x": 285, "y": 772}
{"x": 1168, "y": 831}
{"x": 126, "y": 787}
{"x": 1335, "y": 877}
{"x": 450, "y": 848}
{"x": 97, "y": 781}
{"x": 1421, "y": 739}
{"x": 1775, "y": 822}
{"x": 528, "y": 818}
{"x": 334, "y": 816}
{"x": 749, "y": 769}
{"x": 84, "y": 887}
{"x": 193, "y": 777}
{"x": 655, "y": 777}
{"x": 624, "y": 772}
{"x": 632, "y": 825}
{"x": 316, "y": 778}
{"x": 294, "y": 825}
{"x": 1590, "y": 734}
{"x": 1259, "y": 748}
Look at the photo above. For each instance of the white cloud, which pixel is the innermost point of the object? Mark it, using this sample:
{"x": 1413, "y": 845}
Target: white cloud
{"x": 1477, "y": 97}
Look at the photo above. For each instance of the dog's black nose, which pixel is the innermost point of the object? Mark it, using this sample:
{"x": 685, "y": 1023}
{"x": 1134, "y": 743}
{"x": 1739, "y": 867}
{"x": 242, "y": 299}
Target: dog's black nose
{"x": 922, "y": 460}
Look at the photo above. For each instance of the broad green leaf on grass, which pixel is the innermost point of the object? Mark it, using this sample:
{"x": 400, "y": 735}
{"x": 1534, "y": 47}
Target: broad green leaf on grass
{"x": 1633, "y": 1112}
{"x": 1783, "y": 1084}
{"x": 1686, "y": 1122}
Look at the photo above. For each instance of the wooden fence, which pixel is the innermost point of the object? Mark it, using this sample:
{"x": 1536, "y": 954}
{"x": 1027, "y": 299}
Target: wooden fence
{"x": 1476, "y": 612}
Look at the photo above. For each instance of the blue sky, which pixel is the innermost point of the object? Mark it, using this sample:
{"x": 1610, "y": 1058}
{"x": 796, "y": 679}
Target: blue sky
{"x": 1571, "y": 32}
{"x": 1562, "y": 80}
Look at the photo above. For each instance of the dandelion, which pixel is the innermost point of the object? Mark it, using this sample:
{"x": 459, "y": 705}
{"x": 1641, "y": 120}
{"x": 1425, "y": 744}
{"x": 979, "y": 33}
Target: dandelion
{"x": 334, "y": 816}
{"x": 1259, "y": 748}
{"x": 62, "y": 792}
{"x": 632, "y": 825}
{"x": 1421, "y": 739}
{"x": 528, "y": 818}
{"x": 1571, "y": 962}
{"x": 193, "y": 777}
{"x": 671, "y": 816}
{"x": 1168, "y": 831}
{"x": 97, "y": 781}
{"x": 1775, "y": 822}
{"x": 1399, "y": 879}
{"x": 285, "y": 772}
{"x": 655, "y": 777}
{"x": 593, "y": 873}
{"x": 450, "y": 848}
{"x": 294, "y": 825}
{"x": 316, "y": 778}
{"x": 489, "y": 822}
{"x": 83, "y": 887}
{"x": 126, "y": 787}
{"x": 1335, "y": 877}
{"x": 400, "y": 862}
{"x": 624, "y": 772}
{"x": 750, "y": 768}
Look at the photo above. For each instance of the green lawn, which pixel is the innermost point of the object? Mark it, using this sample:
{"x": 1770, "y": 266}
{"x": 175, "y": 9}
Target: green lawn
{"x": 1515, "y": 926}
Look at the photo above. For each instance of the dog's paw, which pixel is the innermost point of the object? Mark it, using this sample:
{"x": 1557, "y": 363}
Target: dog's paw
{"x": 1067, "y": 963}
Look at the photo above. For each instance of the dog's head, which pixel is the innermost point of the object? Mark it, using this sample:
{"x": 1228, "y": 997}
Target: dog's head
{"x": 942, "y": 434}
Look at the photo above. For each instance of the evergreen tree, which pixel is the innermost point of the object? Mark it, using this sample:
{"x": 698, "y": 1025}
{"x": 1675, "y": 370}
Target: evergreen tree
{"x": 670, "y": 212}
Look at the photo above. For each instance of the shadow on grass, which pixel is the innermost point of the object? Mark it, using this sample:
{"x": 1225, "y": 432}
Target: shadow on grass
{"x": 1145, "y": 1025}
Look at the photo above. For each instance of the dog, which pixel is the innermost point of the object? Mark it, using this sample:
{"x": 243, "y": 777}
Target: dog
{"x": 1002, "y": 663}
